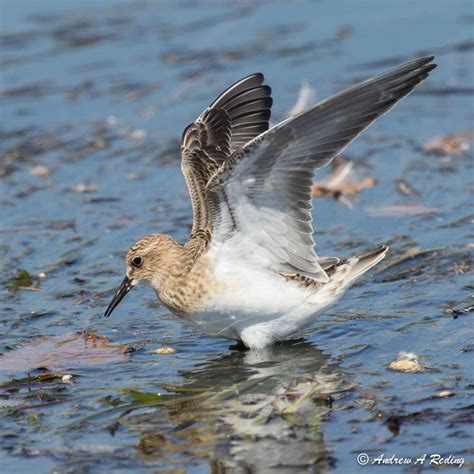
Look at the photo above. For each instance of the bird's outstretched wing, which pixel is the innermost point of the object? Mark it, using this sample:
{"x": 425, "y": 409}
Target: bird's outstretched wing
{"x": 237, "y": 116}
{"x": 260, "y": 196}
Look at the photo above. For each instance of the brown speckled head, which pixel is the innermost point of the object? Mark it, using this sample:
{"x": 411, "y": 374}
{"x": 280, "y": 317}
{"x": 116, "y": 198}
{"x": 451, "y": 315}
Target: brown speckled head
{"x": 152, "y": 260}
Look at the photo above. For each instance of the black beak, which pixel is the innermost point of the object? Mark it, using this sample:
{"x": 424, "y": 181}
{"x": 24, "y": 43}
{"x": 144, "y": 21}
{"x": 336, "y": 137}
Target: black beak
{"x": 123, "y": 289}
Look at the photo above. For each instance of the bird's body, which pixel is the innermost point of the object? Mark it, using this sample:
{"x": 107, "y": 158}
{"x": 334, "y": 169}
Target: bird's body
{"x": 249, "y": 269}
{"x": 240, "y": 299}
{"x": 260, "y": 307}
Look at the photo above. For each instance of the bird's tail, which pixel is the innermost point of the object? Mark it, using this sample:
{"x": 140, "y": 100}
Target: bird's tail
{"x": 347, "y": 270}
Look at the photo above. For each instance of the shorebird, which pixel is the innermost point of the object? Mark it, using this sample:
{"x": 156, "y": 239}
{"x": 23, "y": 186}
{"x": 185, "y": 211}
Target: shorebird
{"x": 249, "y": 270}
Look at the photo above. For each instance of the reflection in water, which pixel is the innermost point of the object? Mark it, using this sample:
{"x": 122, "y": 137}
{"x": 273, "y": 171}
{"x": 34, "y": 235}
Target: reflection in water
{"x": 245, "y": 410}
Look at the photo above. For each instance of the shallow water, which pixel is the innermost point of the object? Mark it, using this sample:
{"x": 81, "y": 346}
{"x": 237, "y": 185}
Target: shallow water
{"x": 93, "y": 101}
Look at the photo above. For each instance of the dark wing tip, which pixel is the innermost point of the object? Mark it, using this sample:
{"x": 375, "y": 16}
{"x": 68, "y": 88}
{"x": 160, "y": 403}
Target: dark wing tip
{"x": 425, "y": 63}
{"x": 252, "y": 80}
{"x": 422, "y": 61}
{"x": 422, "y": 65}
{"x": 248, "y": 103}
{"x": 258, "y": 76}
{"x": 426, "y": 59}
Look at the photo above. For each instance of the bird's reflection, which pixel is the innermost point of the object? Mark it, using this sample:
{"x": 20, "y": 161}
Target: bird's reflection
{"x": 246, "y": 410}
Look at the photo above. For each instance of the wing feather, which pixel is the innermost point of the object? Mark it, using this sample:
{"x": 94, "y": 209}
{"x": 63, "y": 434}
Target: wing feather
{"x": 237, "y": 116}
{"x": 264, "y": 189}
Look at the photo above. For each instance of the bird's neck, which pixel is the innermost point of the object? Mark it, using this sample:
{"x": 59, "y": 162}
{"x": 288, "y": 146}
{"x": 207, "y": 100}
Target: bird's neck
{"x": 183, "y": 290}
{"x": 197, "y": 243}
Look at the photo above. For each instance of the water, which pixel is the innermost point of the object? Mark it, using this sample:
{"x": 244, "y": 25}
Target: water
{"x": 94, "y": 98}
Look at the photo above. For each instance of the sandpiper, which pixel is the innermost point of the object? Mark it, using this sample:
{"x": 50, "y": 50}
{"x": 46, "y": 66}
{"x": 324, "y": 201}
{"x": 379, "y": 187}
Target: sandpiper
{"x": 249, "y": 270}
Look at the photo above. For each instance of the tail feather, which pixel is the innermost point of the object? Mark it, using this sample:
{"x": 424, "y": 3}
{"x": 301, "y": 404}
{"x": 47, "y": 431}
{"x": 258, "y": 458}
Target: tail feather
{"x": 347, "y": 270}
{"x": 367, "y": 260}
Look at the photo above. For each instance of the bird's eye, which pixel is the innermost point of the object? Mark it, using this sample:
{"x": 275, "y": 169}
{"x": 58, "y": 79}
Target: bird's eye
{"x": 137, "y": 261}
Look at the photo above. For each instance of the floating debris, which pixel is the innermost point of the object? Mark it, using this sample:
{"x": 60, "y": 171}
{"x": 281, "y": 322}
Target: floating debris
{"x": 406, "y": 362}
{"x": 64, "y": 352}
{"x": 22, "y": 280}
{"x": 84, "y": 188}
{"x": 405, "y": 188}
{"x": 340, "y": 183}
{"x": 39, "y": 171}
{"x": 164, "y": 350}
{"x": 452, "y": 144}
{"x": 460, "y": 308}
{"x": 445, "y": 394}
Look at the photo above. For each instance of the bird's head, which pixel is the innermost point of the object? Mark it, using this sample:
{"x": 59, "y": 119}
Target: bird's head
{"x": 150, "y": 260}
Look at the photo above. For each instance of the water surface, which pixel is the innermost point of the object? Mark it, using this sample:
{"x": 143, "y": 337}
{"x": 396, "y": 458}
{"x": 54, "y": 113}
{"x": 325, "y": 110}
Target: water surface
{"x": 93, "y": 100}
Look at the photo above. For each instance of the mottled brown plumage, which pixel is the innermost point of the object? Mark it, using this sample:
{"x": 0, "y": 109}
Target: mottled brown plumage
{"x": 184, "y": 281}
{"x": 238, "y": 115}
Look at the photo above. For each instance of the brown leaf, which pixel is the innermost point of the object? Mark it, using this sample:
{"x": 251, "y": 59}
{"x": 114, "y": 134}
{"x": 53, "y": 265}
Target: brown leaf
{"x": 449, "y": 144}
{"x": 342, "y": 181}
{"x": 64, "y": 352}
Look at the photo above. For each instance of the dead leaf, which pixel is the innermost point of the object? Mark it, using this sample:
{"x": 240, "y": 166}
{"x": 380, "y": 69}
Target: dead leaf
{"x": 449, "y": 144}
{"x": 406, "y": 362}
{"x": 64, "y": 352}
{"x": 341, "y": 182}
